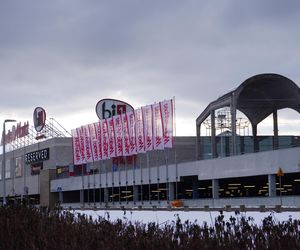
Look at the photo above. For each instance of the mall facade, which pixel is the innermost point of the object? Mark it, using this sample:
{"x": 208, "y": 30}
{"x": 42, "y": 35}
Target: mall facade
{"x": 220, "y": 169}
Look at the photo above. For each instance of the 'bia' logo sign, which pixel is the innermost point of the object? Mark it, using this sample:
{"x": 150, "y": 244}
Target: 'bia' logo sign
{"x": 39, "y": 118}
{"x": 107, "y": 108}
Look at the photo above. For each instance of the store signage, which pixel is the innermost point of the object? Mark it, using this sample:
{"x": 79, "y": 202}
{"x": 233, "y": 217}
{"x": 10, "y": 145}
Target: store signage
{"x": 37, "y": 156}
{"x": 16, "y": 132}
{"x": 107, "y": 108}
{"x": 39, "y": 119}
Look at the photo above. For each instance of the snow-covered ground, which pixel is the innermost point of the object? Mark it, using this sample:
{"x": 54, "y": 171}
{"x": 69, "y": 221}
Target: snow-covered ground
{"x": 162, "y": 217}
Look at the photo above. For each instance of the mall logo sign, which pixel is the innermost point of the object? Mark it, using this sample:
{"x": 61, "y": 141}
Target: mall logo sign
{"x": 107, "y": 108}
{"x": 39, "y": 119}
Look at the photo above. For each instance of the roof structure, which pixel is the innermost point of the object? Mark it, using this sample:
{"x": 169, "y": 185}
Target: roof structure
{"x": 257, "y": 97}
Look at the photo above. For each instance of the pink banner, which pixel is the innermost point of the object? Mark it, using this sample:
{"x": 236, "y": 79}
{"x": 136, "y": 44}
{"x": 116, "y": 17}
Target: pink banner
{"x": 105, "y": 140}
{"x": 81, "y": 144}
{"x": 94, "y": 143}
{"x": 126, "y": 136}
{"x": 98, "y": 132}
{"x": 148, "y": 132}
{"x": 117, "y": 120}
{"x": 140, "y": 144}
{"x": 112, "y": 140}
{"x": 157, "y": 127}
{"x": 167, "y": 122}
{"x": 87, "y": 144}
{"x": 76, "y": 148}
{"x": 132, "y": 132}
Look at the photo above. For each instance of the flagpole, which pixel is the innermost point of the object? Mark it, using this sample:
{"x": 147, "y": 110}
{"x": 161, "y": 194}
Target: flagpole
{"x": 175, "y": 151}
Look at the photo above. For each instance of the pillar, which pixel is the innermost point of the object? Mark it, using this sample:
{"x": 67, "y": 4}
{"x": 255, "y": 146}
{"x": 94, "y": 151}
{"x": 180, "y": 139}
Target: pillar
{"x": 106, "y": 195}
{"x": 255, "y": 140}
{"x": 135, "y": 193}
{"x": 215, "y": 189}
{"x": 198, "y": 142}
{"x": 81, "y": 194}
{"x": 195, "y": 194}
{"x": 60, "y": 197}
{"x": 272, "y": 184}
{"x": 233, "y": 124}
{"x": 275, "y": 128}
{"x": 171, "y": 191}
{"x": 213, "y": 135}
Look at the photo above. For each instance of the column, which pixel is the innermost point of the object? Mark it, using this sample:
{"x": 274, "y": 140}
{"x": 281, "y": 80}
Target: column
{"x": 60, "y": 197}
{"x": 135, "y": 193}
{"x": 275, "y": 128}
{"x": 198, "y": 143}
{"x": 272, "y": 184}
{"x": 255, "y": 141}
{"x": 213, "y": 135}
{"x": 233, "y": 124}
{"x": 81, "y": 194}
{"x": 171, "y": 191}
{"x": 106, "y": 194}
{"x": 215, "y": 189}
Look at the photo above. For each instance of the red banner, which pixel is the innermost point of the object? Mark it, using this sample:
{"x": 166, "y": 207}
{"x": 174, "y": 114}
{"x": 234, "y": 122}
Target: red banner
{"x": 111, "y": 138}
{"x": 76, "y": 147}
{"x": 126, "y": 135}
{"x": 105, "y": 140}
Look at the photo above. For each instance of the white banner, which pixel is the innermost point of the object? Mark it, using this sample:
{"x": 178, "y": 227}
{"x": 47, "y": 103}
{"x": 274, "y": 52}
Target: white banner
{"x": 111, "y": 138}
{"x": 158, "y": 142}
{"x": 105, "y": 140}
{"x": 147, "y": 122}
{"x": 76, "y": 147}
{"x": 126, "y": 135}
{"x": 132, "y": 132}
{"x": 140, "y": 144}
{"x": 167, "y": 122}
{"x": 118, "y": 134}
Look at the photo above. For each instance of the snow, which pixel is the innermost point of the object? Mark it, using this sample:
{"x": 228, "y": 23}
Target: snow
{"x": 162, "y": 217}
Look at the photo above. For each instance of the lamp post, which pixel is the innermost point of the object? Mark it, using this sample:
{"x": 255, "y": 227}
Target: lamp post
{"x": 4, "y": 161}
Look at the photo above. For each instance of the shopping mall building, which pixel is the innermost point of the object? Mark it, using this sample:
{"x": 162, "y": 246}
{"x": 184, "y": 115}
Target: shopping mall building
{"x": 219, "y": 170}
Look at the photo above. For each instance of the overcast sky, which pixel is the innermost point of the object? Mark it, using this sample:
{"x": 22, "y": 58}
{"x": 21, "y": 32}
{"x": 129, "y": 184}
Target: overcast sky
{"x": 66, "y": 55}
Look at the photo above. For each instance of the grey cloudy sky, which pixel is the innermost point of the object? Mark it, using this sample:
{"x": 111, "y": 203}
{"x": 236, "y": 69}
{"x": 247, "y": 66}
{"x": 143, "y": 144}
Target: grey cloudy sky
{"x": 66, "y": 55}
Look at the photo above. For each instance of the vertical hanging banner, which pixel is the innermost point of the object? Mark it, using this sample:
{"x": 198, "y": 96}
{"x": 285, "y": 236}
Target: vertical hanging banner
{"x": 167, "y": 123}
{"x": 140, "y": 143}
{"x": 126, "y": 136}
{"x": 132, "y": 132}
{"x": 111, "y": 138}
{"x": 87, "y": 144}
{"x": 148, "y": 132}
{"x": 105, "y": 140}
{"x": 98, "y": 132}
{"x": 158, "y": 142}
{"x": 94, "y": 142}
{"x": 76, "y": 148}
{"x": 81, "y": 144}
{"x": 118, "y": 128}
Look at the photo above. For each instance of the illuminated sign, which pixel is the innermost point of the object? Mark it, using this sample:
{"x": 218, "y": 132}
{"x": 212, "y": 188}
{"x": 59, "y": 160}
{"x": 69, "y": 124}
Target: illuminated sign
{"x": 107, "y": 108}
{"x": 37, "y": 156}
{"x": 39, "y": 118}
{"x": 16, "y": 132}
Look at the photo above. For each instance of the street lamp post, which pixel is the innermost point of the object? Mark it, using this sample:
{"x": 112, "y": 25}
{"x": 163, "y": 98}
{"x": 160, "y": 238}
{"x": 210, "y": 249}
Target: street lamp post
{"x": 4, "y": 160}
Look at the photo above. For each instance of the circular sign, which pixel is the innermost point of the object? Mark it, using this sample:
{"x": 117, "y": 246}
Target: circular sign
{"x": 39, "y": 118}
{"x": 107, "y": 108}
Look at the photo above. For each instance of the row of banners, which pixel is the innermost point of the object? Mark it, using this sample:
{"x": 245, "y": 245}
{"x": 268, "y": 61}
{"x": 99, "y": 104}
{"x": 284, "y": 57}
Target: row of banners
{"x": 144, "y": 129}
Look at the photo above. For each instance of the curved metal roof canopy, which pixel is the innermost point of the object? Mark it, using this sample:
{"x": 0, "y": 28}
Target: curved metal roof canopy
{"x": 260, "y": 95}
{"x": 257, "y": 97}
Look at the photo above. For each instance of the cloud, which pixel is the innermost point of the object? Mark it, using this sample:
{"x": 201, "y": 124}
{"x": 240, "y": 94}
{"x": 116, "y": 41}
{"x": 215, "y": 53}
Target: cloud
{"x": 67, "y": 55}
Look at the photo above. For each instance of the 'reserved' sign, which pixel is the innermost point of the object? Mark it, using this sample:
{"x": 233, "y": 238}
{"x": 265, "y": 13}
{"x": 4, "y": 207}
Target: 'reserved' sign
{"x": 107, "y": 108}
{"x": 37, "y": 156}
